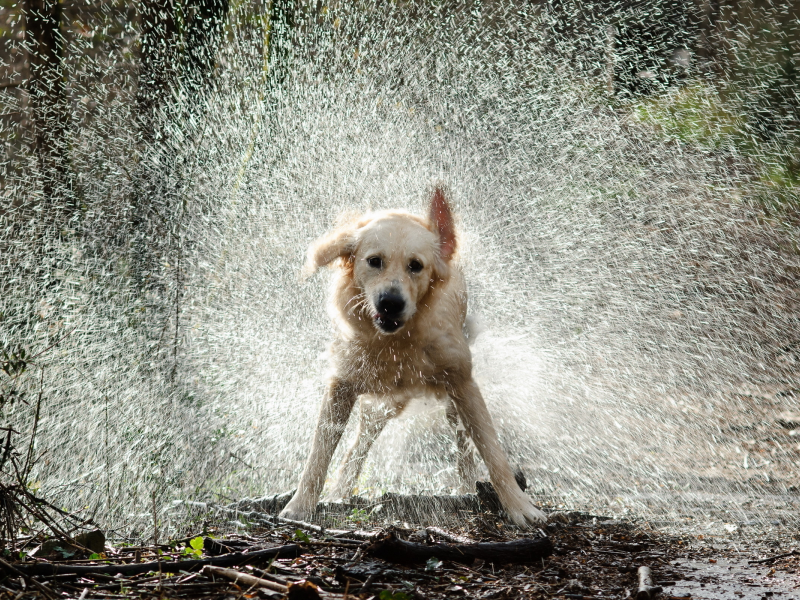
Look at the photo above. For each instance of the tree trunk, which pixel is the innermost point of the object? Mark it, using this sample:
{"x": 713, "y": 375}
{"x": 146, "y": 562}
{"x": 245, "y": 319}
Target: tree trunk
{"x": 281, "y": 23}
{"x": 204, "y": 34}
{"x": 50, "y": 111}
{"x": 156, "y": 60}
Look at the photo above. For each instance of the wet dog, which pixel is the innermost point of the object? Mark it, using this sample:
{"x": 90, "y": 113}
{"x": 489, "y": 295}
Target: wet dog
{"x": 399, "y": 303}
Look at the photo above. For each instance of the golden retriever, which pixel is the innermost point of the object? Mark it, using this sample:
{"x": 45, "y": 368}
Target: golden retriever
{"x": 399, "y": 302}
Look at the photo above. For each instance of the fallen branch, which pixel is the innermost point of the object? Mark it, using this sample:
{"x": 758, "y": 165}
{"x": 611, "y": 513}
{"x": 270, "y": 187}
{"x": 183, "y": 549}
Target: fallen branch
{"x": 646, "y": 588}
{"x": 229, "y": 560}
{"x": 447, "y": 536}
{"x": 771, "y": 558}
{"x": 391, "y": 548}
{"x": 350, "y": 533}
{"x": 249, "y": 580}
{"x": 267, "y": 504}
{"x": 37, "y": 584}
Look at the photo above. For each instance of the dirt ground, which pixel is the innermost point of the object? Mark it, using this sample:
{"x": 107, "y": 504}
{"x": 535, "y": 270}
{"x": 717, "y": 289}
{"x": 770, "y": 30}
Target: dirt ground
{"x": 591, "y": 556}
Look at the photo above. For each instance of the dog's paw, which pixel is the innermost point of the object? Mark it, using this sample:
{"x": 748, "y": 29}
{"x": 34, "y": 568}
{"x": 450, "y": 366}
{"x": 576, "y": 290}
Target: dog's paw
{"x": 523, "y": 513}
{"x": 296, "y": 510}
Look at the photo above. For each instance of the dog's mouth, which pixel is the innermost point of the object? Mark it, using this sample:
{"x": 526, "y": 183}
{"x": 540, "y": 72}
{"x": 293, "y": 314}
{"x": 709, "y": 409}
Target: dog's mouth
{"x": 386, "y": 323}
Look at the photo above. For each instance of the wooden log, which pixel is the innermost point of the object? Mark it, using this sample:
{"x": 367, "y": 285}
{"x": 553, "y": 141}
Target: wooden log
{"x": 418, "y": 508}
{"x": 170, "y": 566}
{"x": 393, "y": 549}
{"x": 422, "y": 508}
{"x": 244, "y": 578}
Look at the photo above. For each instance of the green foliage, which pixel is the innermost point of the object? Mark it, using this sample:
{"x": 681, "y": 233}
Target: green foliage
{"x": 66, "y": 553}
{"x": 432, "y": 564}
{"x": 14, "y": 361}
{"x": 390, "y": 595}
{"x": 195, "y": 547}
{"x": 358, "y": 515}
{"x": 301, "y": 536}
{"x": 694, "y": 114}
{"x": 698, "y": 115}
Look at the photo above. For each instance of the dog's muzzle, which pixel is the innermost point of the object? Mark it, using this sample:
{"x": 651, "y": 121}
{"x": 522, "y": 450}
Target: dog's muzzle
{"x": 389, "y": 311}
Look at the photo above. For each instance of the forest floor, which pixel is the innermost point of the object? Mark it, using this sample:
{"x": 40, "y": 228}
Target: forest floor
{"x": 575, "y": 556}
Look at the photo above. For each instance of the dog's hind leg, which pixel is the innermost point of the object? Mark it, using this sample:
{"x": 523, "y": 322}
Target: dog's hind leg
{"x": 475, "y": 416}
{"x": 467, "y": 470}
{"x": 374, "y": 416}
{"x": 336, "y": 407}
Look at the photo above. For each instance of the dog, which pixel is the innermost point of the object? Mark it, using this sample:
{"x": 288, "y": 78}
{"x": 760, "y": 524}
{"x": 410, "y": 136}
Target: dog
{"x": 399, "y": 303}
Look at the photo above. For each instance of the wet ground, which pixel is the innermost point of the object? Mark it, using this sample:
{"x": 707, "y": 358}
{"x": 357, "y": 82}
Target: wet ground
{"x": 735, "y": 577}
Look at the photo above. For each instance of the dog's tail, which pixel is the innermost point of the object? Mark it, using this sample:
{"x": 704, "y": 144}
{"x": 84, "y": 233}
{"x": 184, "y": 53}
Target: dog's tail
{"x": 473, "y": 326}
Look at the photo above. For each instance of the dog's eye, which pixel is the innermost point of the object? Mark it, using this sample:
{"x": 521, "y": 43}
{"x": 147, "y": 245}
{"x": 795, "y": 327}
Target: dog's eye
{"x": 415, "y": 266}
{"x": 375, "y": 262}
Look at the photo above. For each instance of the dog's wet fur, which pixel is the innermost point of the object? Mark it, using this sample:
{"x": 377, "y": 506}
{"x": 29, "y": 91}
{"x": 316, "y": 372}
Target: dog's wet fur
{"x": 399, "y": 303}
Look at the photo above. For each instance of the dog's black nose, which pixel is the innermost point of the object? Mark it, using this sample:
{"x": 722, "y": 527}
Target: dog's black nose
{"x": 391, "y": 305}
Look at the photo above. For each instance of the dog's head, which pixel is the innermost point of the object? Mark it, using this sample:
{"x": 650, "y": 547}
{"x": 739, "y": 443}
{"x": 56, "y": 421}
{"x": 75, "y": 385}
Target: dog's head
{"x": 393, "y": 259}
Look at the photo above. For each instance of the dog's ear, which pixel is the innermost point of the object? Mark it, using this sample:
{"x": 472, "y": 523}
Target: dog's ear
{"x": 339, "y": 243}
{"x": 442, "y": 220}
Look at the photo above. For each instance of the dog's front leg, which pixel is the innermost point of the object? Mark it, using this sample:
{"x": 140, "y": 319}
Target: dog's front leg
{"x": 475, "y": 416}
{"x": 467, "y": 471}
{"x": 374, "y": 416}
{"x": 336, "y": 407}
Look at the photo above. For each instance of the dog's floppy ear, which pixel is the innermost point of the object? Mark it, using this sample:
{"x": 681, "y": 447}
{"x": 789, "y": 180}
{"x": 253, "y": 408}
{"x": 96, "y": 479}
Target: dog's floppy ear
{"x": 339, "y": 243}
{"x": 441, "y": 219}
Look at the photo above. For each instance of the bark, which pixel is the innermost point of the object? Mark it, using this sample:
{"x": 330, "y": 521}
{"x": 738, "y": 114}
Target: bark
{"x": 523, "y": 551}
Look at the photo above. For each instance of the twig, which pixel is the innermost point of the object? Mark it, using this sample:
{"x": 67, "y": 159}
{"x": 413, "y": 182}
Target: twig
{"x": 42, "y": 515}
{"x": 63, "y": 513}
{"x": 38, "y": 585}
{"x": 26, "y": 470}
{"x": 155, "y": 521}
{"x": 368, "y": 583}
{"x": 53, "y": 345}
{"x": 176, "y": 339}
{"x": 244, "y": 578}
{"x": 7, "y": 449}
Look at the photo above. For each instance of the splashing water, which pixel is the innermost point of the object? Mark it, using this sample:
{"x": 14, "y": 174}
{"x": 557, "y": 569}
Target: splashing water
{"x": 638, "y": 302}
